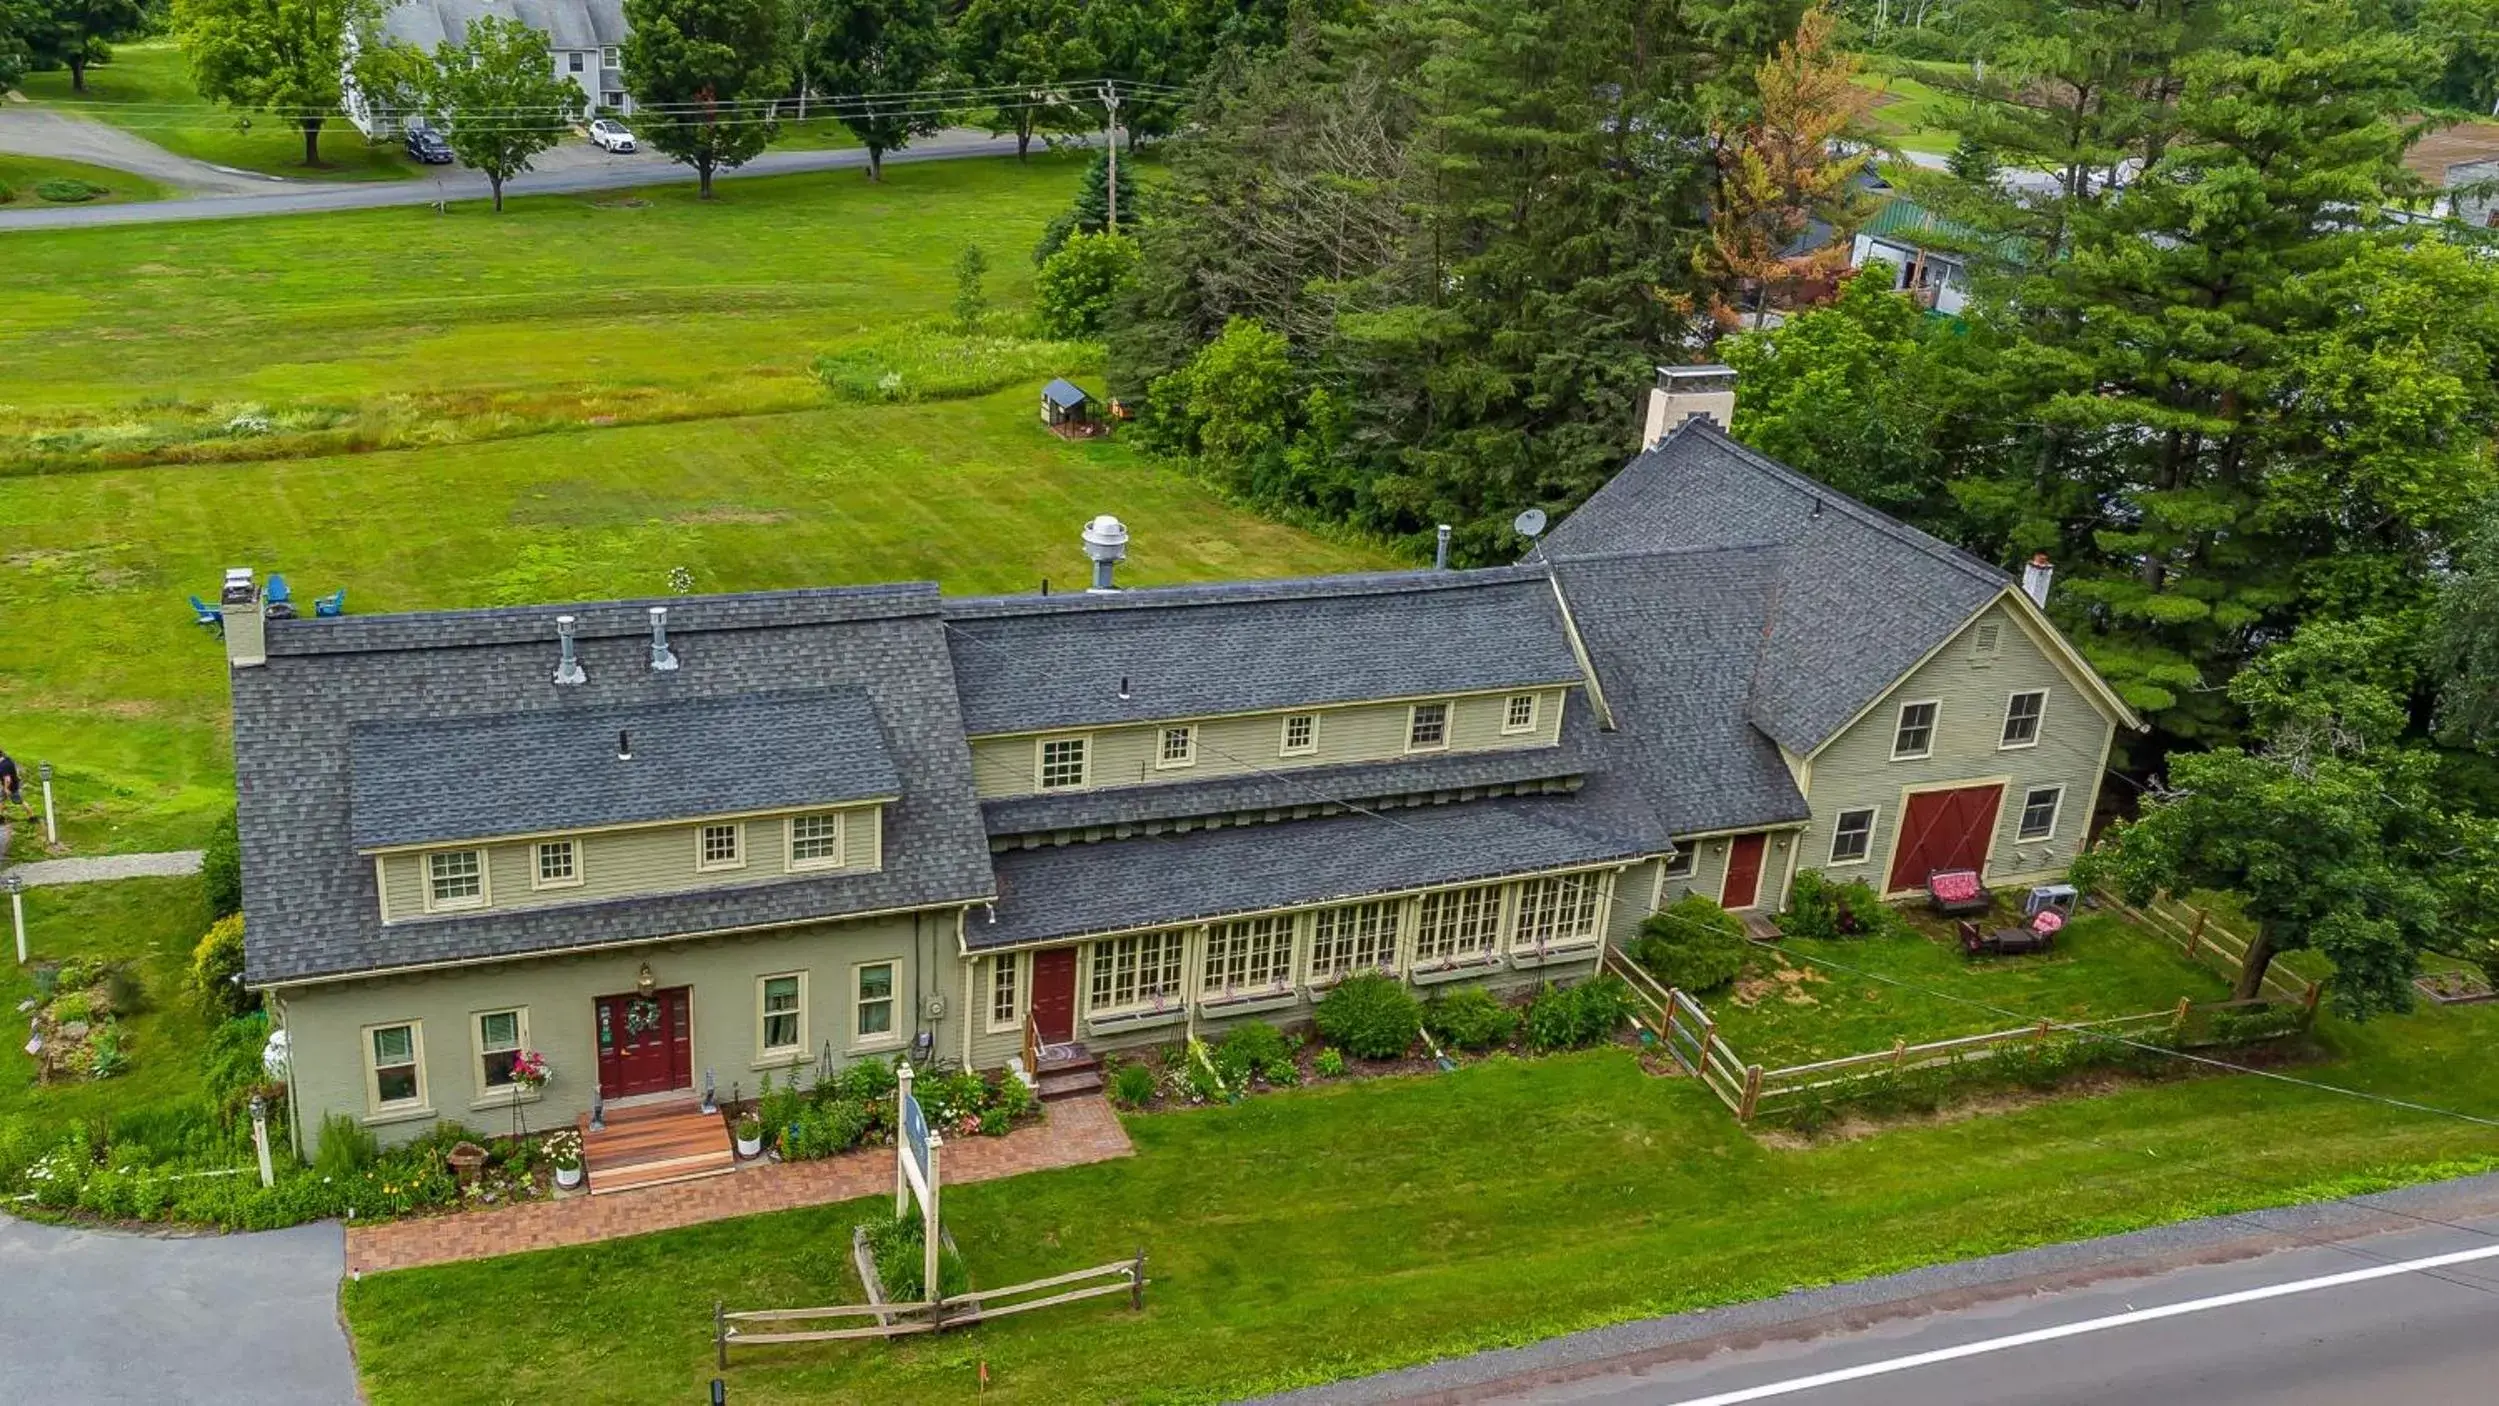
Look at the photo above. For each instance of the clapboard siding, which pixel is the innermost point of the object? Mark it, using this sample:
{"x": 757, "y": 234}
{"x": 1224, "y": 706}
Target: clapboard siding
{"x": 1856, "y": 770}
{"x": 1125, "y": 756}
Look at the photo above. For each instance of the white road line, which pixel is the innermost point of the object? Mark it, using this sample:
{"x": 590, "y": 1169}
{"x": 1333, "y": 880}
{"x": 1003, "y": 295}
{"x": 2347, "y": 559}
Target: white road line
{"x": 1914, "y": 1361}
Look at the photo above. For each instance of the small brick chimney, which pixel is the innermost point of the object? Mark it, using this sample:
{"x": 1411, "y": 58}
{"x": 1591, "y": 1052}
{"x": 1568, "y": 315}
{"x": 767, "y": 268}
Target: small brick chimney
{"x": 1685, "y": 391}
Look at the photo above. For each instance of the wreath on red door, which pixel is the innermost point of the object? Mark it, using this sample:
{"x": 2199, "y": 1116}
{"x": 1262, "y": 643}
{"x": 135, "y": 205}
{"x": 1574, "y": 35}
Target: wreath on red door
{"x": 641, "y": 1016}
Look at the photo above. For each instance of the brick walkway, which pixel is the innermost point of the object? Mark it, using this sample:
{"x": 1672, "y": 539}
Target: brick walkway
{"x": 1076, "y": 1132}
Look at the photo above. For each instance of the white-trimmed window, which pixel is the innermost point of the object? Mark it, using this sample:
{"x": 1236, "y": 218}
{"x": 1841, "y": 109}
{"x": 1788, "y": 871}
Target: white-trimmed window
{"x": 558, "y": 866}
{"x": 1062, "y": 763}
{"x": 394, "y": 1067}
{"x": 1683, "y": 861}
{"x": 816, "y": 840}
{"x": 720, "y": 846}
{"x": 1006, "y": 990}
{"x": 1852, "y": 836}
{"x": 2039, "y": 807}
{"x": 501, "y": 1036}
{"x": 608, "y": 57}
{"x": 1914, "y": 737}
{"x": 872, "y": 1005}
{"x": 1142, "y": 969}
{"x": 2022, "y": 713}
{"x": 455, "y": 878}
{"x": 575, "y": 59}
{"x": 781, "y": 1014}
{"x": 1301, "y": 735}
{"x": 1558, "y": 912}
{"x": 1249, "y": 954}
{"x": 1518, "y": 714}
{"x": 1354, "y": 937}
{"x": 1458, "y": 925}
{"x": 1176, "y": 746}
{"x": 1427, "y": 727}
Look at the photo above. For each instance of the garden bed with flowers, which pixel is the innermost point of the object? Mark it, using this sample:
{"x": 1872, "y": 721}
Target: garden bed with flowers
{"x": 1371, "y": 1026}
{"x": 74, "y": 1018}
{"x": 855, "y": 1108}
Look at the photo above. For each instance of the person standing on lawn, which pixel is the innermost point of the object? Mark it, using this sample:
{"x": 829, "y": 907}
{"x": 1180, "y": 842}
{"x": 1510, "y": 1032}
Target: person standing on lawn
{"x": 10, "y": 788}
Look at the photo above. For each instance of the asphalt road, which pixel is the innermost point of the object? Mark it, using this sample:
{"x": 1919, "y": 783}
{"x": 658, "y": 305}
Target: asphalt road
{"x": 573, "y": 175}
{"x": 2223, "y": 1312}
{"x": 93, "y": 1316}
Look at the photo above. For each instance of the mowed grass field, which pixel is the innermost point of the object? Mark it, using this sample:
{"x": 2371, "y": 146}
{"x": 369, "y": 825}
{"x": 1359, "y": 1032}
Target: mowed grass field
{"x": 1339, "y": 1229}
{"x": 147, "y": 90}
{"x": 529, "y": 347}
{"x": 19, "y": 175}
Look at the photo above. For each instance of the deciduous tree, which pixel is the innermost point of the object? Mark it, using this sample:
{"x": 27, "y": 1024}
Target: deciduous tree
{"x": 498, "y": 93}
{"x": 72, "y": 34}
{"x": 706, "y": 73}
{"x": 1029, "y": 50}
{"x": 283, "y": 57}
{"x": 873, "y": 57}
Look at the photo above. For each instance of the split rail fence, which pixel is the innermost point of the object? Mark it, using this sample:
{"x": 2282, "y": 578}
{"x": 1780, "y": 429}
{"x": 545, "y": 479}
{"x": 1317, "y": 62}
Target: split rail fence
{"x": 2209, "y": 940}
{"x": 757, "y": 1327}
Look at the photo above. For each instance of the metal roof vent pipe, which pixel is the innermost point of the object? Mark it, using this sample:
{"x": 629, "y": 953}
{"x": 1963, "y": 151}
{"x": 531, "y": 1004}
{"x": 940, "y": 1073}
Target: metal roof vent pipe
{"x": 662, "y": 661}
{"x": 1106, "y": 541}
{"x": 567, "y": 667}
{"x": 1440, "y": 549}
{"x": 2035, "y": 579}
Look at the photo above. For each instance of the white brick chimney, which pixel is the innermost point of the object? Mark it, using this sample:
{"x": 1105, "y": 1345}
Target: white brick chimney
{"x": 247, "y": 633}
{"x": 1685, "y": 391}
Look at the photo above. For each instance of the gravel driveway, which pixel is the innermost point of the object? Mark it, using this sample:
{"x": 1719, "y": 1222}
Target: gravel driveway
{"x": 95, "y": 1316}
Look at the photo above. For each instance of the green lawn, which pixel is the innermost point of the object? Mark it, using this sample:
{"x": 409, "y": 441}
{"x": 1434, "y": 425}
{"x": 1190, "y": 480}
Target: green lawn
{"x": 147, "y": 90}
{"x": 1348, "y": 1228}
{"x": 19, "y": 175}
{"x": 153, "y": 922}
{"x": 1793, "y": 1010}
{"x": 1910, "y": 112}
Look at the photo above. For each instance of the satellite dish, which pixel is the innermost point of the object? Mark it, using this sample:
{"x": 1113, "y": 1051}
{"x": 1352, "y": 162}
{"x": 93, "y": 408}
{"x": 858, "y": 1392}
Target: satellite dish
{"x": 1529, "y": 524}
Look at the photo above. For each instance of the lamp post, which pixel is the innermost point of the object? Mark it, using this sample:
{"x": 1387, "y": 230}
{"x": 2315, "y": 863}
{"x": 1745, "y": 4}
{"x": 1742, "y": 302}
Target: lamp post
{"x": 260, "y": 1138}
{"x": 17, "y": 914}
{"x": 51, "y": 827}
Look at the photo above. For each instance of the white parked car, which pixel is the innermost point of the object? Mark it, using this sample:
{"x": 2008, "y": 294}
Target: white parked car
{"x": 608, "y": 134}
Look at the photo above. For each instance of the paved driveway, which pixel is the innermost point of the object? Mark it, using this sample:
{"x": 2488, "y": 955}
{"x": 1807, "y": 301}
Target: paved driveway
{"x": 35, "y": 131}
{"x": 93, "y": 1316}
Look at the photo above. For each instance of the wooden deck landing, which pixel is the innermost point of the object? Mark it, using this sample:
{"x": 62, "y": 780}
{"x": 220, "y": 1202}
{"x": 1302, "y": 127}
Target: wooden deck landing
{"x": 655, "y": 1146}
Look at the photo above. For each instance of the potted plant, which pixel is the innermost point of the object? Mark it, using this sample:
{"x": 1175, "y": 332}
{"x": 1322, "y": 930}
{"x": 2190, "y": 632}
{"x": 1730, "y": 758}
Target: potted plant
{"x": 564, "y": 1154}
{"x": 750, "y": 1134}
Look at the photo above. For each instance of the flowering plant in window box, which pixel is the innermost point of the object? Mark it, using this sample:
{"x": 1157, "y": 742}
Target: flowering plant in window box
{"x": 531, "y": 1072}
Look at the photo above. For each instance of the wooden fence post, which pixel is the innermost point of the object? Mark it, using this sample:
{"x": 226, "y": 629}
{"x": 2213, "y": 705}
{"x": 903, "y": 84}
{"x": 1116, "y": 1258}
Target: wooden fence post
{"x": 720, "y": 1331}
{"x": 2179, "y": 1021}
{"x": 2040, "y": 1036}
{"x": 2195, "y": 939}
{"x": 1136, "y": 1282}
{"x": 1752, "y": 1093}
{"x": 1900, "y": 1051}
{"x": 2308, "y": 1002}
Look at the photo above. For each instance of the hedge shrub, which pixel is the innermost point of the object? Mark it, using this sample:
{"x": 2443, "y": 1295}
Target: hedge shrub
{"x": 68, "y": 190}
{"x": 1819, "y": 908}
{"x": 1694, "y": 945}
{"x": 1575, "y": 1017}
{"x": 1469, "y": 1019}
{"x": 1371, "y": 1015}
{"x": 221, "y": 869}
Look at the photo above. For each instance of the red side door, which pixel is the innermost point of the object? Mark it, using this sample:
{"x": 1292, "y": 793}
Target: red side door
{"x": 1054, "y": 995}
{"x": 1945, "y": 830}
{"x": 645, "y": 1043}
{"x": 1743, "y": 884}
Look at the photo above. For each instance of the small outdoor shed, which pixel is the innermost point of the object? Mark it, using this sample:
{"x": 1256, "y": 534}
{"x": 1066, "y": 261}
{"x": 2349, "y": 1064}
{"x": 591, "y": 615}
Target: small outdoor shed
{"x": 1065, "y": 407}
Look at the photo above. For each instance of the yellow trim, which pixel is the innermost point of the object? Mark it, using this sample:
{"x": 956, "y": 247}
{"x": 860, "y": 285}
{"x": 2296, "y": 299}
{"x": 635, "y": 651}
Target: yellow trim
{"x": 1284, "y": 731}
{"x": 672, "y": 823}
{"x": 381, "y": 885}
{"x": 2056, "y": 816}
{"x": 2039, "y": 725}
{"x": 893, "y": 1035}
{"x": 989, "y": 992}
{"x": 1900, "y": 724}
{"x": 776, "y": 1055}
{"x": 1093, "y": 727}
{"x": 1535, "y": 708}
{"x": 1448, "y": 715}
{"x": 1162, "y": 735}
{"x": 485, "y": 880}
{"x": 1042, "y": 741}
{"x": 488, "y": 1094}
{"x": 1874, "y": 818}
{"x": 792, "y": 864}
{"x": 702, "y": 846}
{"x": 538, "y": 882}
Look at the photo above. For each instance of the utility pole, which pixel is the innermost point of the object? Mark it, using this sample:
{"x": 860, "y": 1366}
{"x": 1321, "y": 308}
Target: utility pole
{"x": 1110, "y": 103}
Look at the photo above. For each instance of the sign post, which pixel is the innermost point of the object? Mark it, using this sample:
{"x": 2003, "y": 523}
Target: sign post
{"x": 915, "y": 1176}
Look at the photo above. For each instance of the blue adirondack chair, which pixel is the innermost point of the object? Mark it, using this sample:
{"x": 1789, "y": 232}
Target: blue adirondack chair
{"x": 206, "y": 616}
{"x": 335, "y": 603}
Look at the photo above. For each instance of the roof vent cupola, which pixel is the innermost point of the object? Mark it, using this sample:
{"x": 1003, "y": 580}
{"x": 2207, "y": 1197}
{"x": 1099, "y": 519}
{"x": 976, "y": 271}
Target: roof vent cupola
{"x": 663, "y": 660}
{"x": 568, "y": 669}
{"x": 1106, "y": 542}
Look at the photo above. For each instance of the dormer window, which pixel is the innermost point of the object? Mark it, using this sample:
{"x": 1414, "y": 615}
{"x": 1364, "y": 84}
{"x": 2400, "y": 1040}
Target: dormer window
{"x": 455, "y": 879}
{"x": 1063, "y": 763}
{"x": 816, "y": 841}
{"x": 1518, "y": 714}
{"x": 559, "y": 865}
{"x": 1177, "y": 747}
{"x": 720, "y": 847}
{"x": 1301, "y": 735}
{"x": 1427, "y": 727}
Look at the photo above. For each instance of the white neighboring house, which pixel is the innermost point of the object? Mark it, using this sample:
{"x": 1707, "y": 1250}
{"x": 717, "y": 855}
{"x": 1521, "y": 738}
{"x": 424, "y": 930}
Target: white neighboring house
{"x": 585, "y": 38}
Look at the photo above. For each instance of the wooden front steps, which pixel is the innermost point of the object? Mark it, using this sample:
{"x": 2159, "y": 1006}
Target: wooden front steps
{"x": 1068, "y": 1071}
{"x": 656, "y": 1145}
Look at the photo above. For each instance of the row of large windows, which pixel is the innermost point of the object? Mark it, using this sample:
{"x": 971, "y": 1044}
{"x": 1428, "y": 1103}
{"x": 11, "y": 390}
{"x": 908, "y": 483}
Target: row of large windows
{"x": 456, "y": 879}
{"x": 1064, "y": 763}
{"x": 1247, "y": 958}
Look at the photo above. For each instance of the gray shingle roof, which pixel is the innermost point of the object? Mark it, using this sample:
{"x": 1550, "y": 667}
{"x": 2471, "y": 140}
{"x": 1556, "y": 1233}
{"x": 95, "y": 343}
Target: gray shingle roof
{"x": 428, "y": 779}
{"x": 1858, "y": 598}
{"x": 309, "y": 900}
{"x": 1034, "y": 663}
{"x": 1068, "y": 890}
{"x": 568, "y": 24}
{"x": 1286, "y": 789}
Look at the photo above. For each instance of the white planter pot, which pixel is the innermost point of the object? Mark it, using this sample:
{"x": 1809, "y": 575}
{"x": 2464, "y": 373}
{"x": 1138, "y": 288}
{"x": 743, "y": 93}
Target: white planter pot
{"x": 749, "y": 1146}
{"x": 568, "y": 1177}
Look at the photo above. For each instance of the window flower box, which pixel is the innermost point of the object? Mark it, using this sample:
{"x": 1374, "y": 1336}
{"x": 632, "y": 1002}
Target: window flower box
{"x": 1251, "y": 1002}
{"x": 1121, "y": 1022}
{"x": 1555, "y": 954}
{"x": 1458, "y": 970}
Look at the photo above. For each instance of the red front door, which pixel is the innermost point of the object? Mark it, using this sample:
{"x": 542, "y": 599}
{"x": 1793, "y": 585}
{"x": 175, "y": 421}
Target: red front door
{"x": 1743, "y": 872}
{"x": 644, "y": 1044}
{"x": 1944, "y": 830}
{"x": 1054, "y": 995}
